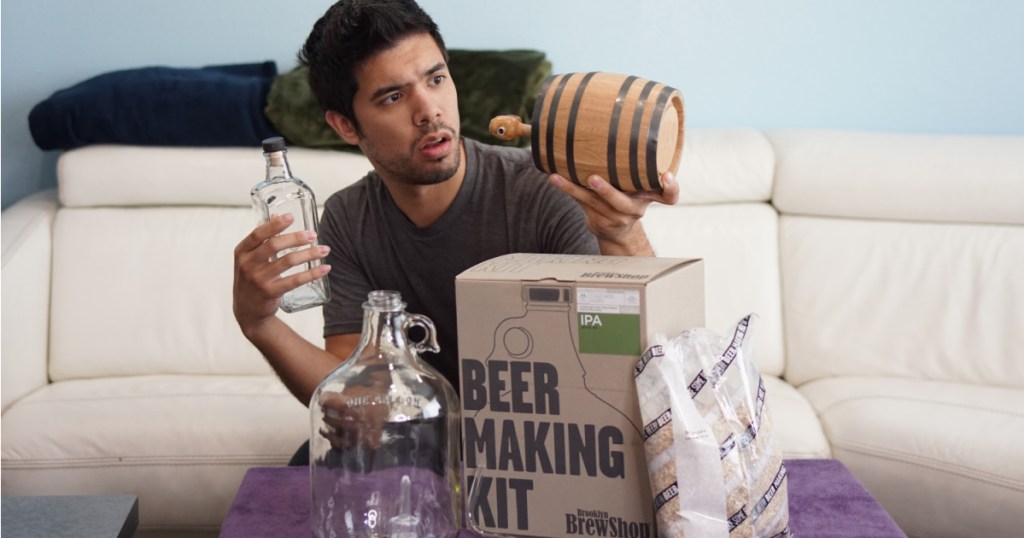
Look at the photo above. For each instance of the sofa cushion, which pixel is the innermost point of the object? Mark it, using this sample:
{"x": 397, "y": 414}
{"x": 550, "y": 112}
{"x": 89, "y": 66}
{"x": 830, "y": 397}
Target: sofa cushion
{"x": 718, "y": 166}
{"x": 27, "y": 258}
{"x": 725, "y": 179}
{"x": 725, "y": 166}
{"x": 739, "y": 245}
{"x": 900, "y": 177}
{"x": 294, "y": 111}
{"x": 218, "y": 105}
{"x": 911, "y": 299}
{"x": 106, "y": 175}
{"x": 170, "y": 310}
{"x": 493, "y": 83}
{"x": 183, "y": 443}
{"x": 943, "y": 458}
{"x": 795, "y": 422}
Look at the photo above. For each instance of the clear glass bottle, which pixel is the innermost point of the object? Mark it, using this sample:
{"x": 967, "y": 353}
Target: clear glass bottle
{"x": 384, "y": 441}
{"x": 282, "y": 193}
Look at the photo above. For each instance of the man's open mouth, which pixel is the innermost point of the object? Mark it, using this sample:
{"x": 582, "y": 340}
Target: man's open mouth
{"x": 435, "y": 145}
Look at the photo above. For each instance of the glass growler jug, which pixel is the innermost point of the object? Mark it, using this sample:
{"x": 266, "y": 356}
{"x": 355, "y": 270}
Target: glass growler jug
{"x": 384, "y": 442}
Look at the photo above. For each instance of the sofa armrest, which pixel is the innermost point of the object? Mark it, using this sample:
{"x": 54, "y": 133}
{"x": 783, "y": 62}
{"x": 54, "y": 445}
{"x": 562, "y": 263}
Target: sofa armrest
{"x": 27, "y": 238}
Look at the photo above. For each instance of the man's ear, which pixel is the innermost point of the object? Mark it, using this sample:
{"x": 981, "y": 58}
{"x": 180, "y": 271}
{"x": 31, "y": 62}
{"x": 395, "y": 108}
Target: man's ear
{"x": 343, "y": 126}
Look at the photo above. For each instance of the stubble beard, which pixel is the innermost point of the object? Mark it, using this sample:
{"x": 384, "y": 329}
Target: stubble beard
{"x": 403, "y": 167}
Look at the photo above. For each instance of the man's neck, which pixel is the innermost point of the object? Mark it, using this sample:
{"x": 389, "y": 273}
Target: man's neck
{"x": 424, "y": 204}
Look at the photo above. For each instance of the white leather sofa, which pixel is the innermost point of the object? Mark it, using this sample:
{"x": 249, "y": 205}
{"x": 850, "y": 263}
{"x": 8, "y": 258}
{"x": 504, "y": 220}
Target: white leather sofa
{"x": 887, "y": 272}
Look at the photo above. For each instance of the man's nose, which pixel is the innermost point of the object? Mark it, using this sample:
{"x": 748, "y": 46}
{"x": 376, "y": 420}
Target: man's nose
{"x": 427, "y": 109}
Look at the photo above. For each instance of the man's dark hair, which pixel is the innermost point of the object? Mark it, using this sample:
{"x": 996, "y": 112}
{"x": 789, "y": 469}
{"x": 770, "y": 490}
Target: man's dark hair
{"x": 349, "y": 33}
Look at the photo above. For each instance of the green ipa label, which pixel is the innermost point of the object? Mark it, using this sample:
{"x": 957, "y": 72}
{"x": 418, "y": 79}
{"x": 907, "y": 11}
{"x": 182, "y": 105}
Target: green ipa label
{"x": 609, "y": 321}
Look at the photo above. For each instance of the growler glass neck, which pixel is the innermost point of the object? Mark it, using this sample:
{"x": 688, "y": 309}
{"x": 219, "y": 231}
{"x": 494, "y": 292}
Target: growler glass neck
{"x": 383, "y": 315}
{"x": 277, "y": 164}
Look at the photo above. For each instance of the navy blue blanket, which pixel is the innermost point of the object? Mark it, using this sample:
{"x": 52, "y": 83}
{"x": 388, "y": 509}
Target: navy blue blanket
{"x": 159, "y": 106}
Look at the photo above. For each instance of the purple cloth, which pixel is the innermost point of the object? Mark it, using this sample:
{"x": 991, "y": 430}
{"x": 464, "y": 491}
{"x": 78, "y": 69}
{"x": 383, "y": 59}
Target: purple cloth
{"x": 825, "y": 501}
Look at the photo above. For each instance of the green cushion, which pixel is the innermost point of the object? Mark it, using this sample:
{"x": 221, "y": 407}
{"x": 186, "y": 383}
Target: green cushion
{"x": 490, "y": 83}
{"x": 296, "y": 115}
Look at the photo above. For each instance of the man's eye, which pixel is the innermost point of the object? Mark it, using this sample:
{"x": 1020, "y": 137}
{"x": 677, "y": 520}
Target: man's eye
{"x": 438, "y": 79}
{"x": 390, "y": 98}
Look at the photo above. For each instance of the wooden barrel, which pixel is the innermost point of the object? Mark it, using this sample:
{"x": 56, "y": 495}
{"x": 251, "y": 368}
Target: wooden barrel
{"x": 625, "y": 129}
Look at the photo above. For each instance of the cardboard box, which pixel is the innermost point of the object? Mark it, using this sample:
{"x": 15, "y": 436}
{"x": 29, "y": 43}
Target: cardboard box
{"x": 547, "y": 347}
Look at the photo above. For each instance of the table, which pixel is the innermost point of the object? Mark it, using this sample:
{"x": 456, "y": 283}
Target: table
{"x": 825, "y": 501}
{"x": 78, "y": 516}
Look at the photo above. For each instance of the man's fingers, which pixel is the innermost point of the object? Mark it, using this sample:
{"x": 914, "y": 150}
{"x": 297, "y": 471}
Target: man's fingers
{"x": 588, "y": 198}
{"x": 301, "y": 256}
{"x": 670, "y": 189}
{"x": 266, "y": 254}
{"x": 277, "y": 285}
{"x": 620, "y": 203}
{"x": 263, "y": 232}
{"x": 279, "y": 244}
{"x": 291, "y": 282}
{"x": 270, "y": 258}
{"x": 668, "y": 195}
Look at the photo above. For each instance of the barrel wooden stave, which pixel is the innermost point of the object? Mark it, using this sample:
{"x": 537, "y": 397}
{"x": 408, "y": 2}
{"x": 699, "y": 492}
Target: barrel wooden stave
{"x": 626, "y": 129}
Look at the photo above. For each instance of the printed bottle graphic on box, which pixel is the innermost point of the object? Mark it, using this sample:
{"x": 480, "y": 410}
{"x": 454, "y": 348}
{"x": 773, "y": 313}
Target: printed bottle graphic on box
{"x": 547, "y": 326}
{"x": 536, "y": 370}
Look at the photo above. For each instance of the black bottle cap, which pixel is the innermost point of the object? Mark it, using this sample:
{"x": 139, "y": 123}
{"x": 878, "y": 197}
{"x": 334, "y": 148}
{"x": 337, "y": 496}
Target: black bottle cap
{"x": 274, "y": 143}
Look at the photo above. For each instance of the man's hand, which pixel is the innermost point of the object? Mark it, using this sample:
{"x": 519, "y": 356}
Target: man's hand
{"x": 355, "y": 418}
{"x": 259, "y": 285}
{"x": 349, "y": 427}
{"x": 614, "y": 216}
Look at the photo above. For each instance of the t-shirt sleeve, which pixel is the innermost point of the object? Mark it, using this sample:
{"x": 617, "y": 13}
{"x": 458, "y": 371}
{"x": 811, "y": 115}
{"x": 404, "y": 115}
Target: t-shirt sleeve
{"x": 567, "y": 231}
{"x": 541, "y": 218}
{"x": 562, "y": 225}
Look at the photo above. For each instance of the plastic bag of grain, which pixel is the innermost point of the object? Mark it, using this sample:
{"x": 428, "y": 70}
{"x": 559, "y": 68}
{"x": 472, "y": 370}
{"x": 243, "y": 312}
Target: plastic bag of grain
{"x": 714, "y": 464}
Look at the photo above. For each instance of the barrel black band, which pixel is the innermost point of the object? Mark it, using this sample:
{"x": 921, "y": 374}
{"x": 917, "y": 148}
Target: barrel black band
{"x": 570, "y": 131}
{"x": 634, "y": 136}
{"x": 552, "y": 116}
{"x": 652, "y": 137}
{"x": 613, "y": 131}
{"x": 537, "y": 121}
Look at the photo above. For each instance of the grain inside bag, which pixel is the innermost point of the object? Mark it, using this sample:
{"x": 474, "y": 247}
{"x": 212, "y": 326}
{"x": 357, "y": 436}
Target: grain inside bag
{"x": 701, "y": 392}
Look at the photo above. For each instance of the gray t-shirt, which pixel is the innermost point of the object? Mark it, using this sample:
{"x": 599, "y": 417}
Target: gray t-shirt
{"x": 505, "y": 205}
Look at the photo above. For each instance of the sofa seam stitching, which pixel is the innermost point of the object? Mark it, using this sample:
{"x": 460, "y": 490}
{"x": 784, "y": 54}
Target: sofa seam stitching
{"x": 41, "y": 400}
{"x": 135, "y": 461}
{"x": 916, "y": 400}
{"x": 932, "y": 464}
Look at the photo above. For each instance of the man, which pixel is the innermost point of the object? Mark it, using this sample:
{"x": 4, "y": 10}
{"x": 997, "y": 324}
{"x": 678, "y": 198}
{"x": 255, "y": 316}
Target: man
{"x": 434, "y": 205}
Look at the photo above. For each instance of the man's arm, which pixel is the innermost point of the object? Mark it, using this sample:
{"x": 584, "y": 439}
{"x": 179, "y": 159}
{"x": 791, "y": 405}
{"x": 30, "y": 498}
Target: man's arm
{"x": 299, "y": 364}
{"x": 614, "y": 216}
{"x": 258, "y": 287}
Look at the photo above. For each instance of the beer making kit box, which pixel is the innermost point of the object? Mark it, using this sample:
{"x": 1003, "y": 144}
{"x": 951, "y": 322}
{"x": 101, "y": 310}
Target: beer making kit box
{"x": 547, "y": 348}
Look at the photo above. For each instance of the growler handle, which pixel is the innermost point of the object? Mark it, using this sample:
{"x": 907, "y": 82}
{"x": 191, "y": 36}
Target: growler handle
{"x": 429, "y": 342}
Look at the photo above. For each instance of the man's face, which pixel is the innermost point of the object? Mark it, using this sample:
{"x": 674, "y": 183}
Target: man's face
{"x": 408, "y": 113}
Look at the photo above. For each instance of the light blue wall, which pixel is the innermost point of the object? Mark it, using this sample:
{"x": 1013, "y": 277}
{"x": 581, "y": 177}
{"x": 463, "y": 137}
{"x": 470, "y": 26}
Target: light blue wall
{"x": 930, "y": 66}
